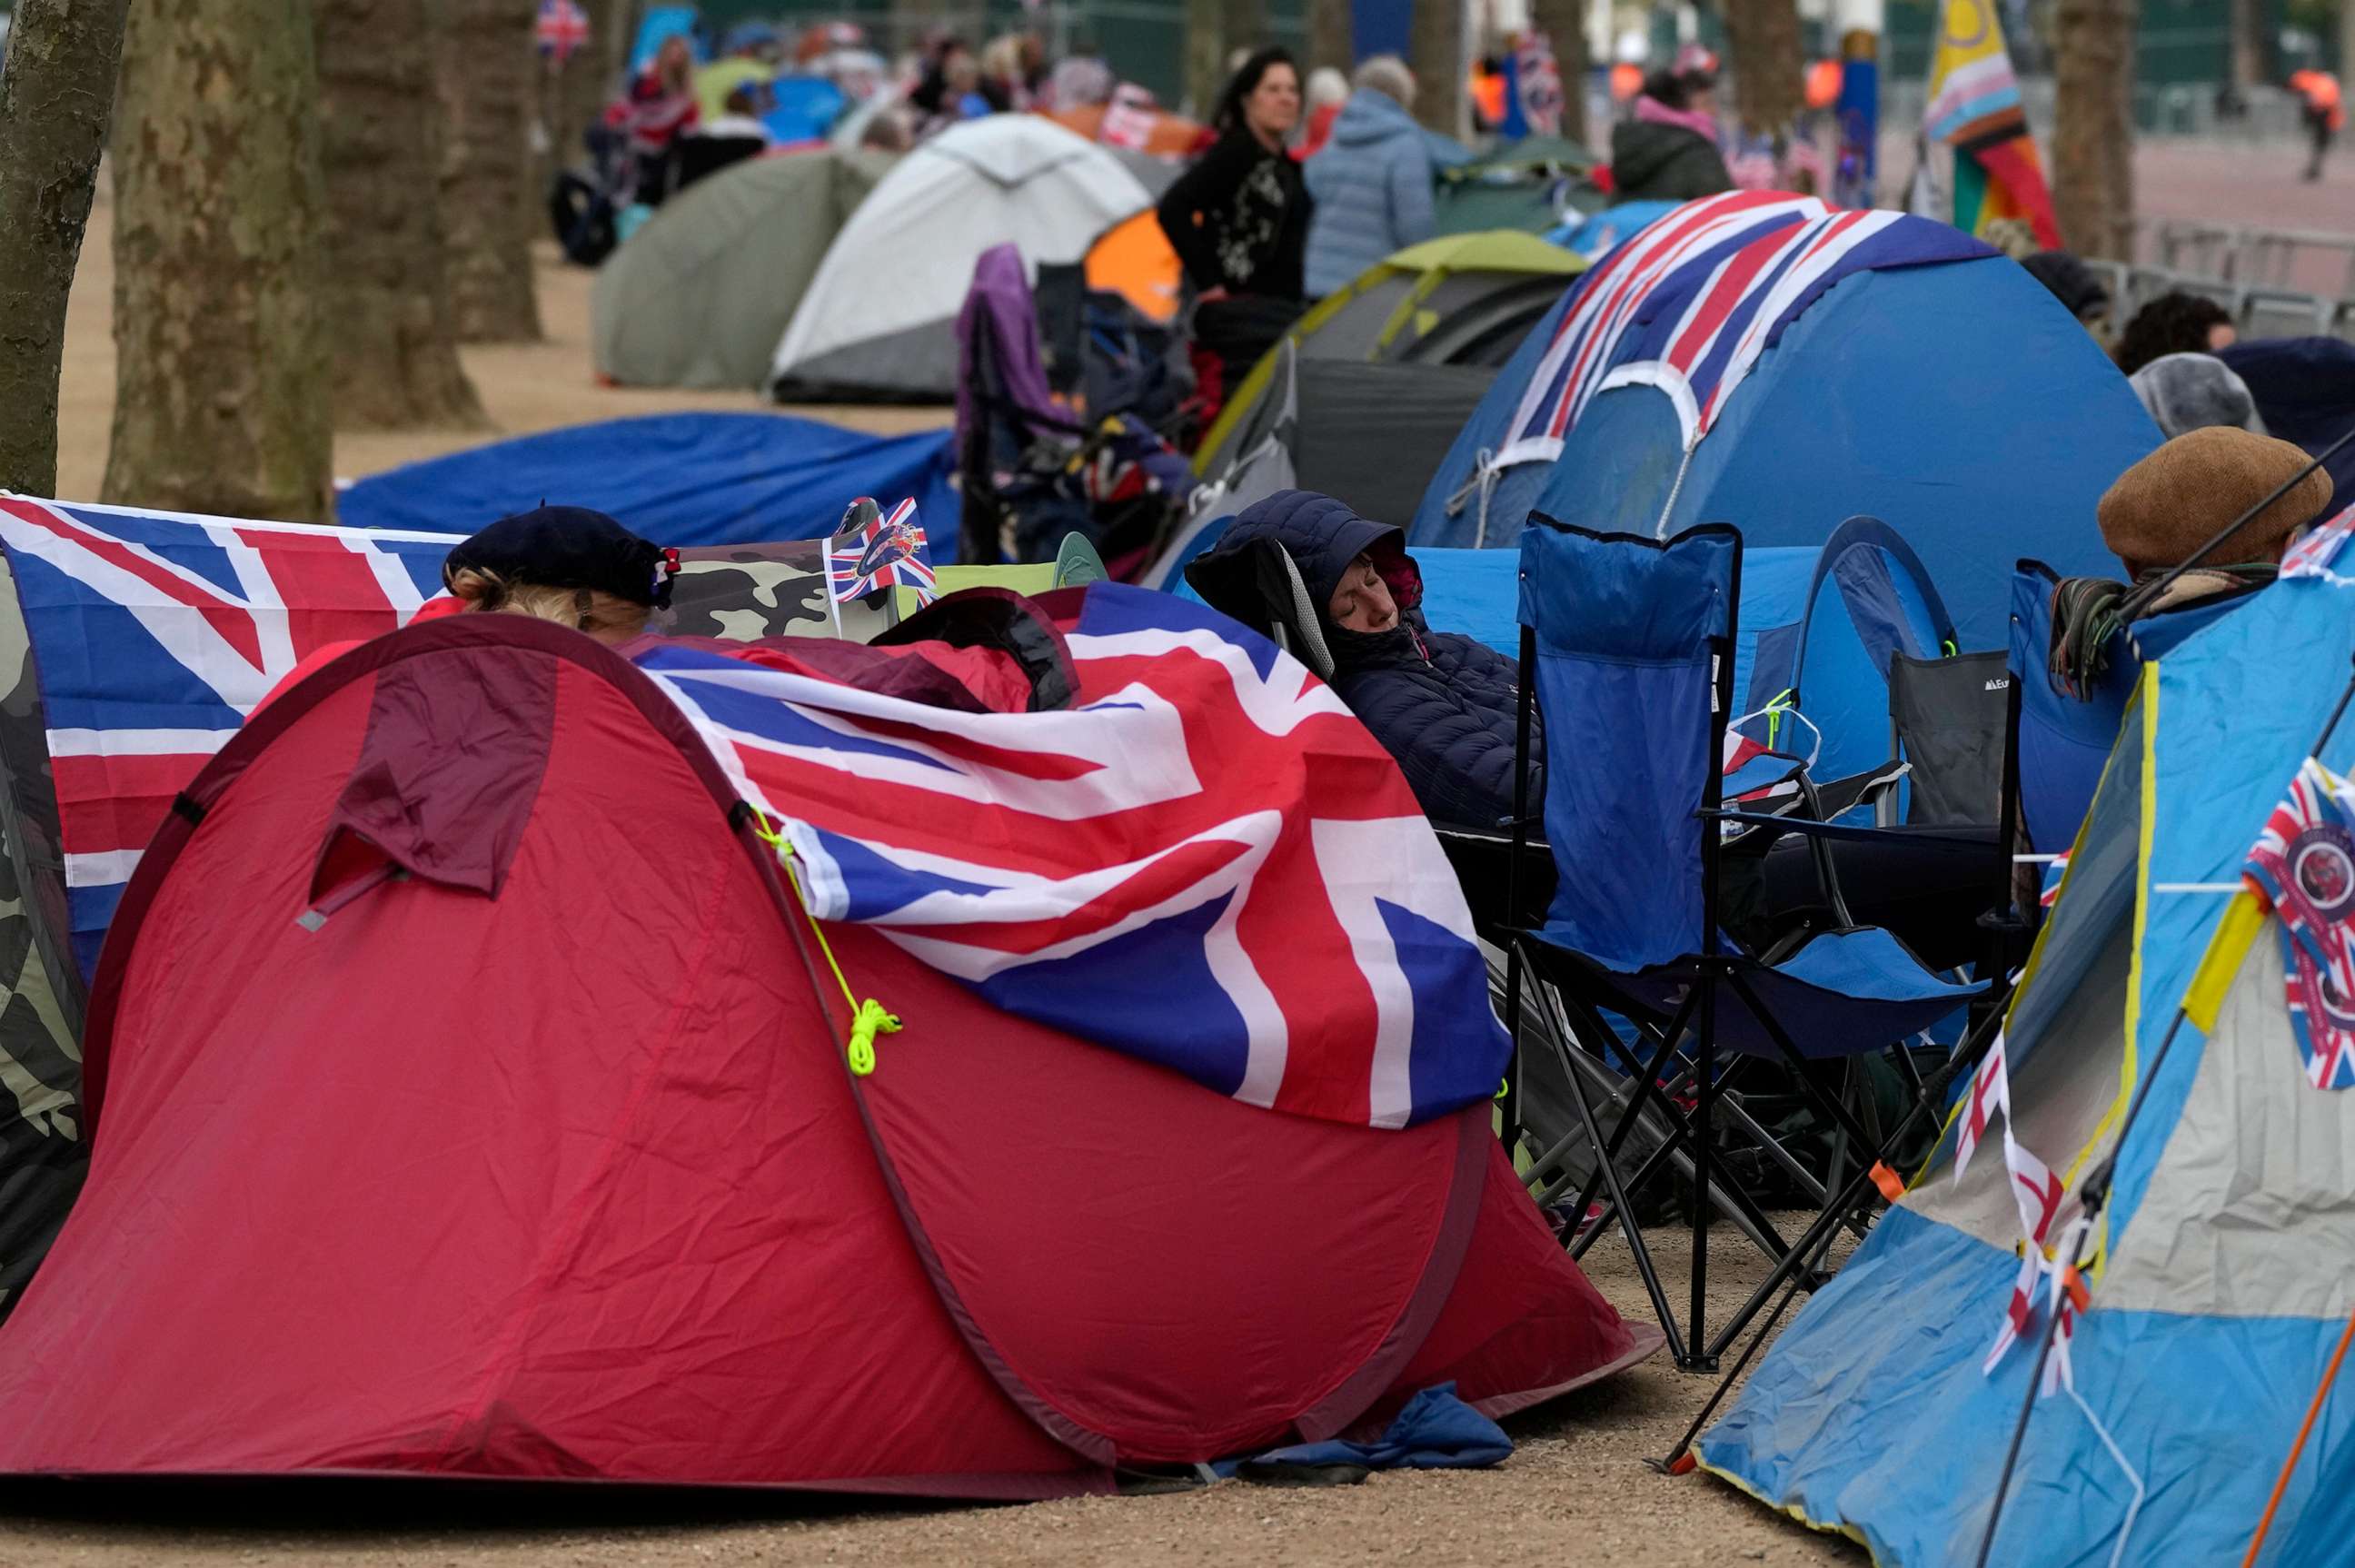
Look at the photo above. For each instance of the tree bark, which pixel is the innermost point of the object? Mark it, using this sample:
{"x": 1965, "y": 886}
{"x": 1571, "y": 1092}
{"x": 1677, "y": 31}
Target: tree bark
{"x": 56, "y": 95}
{"x": 1206, "y": 55}
{"x": 218, "y": 218}
{"x": 1435, "y": 48}
{"x": 1242, "y": 25}
{"x": 486, "y": 66}
{"x": 2093, "y": 127}
{"x": 1332, "y": 34}
{"x": 1762, "y": 37}
{"x": 396, "y": 360}
{"x": 1563, "y": 22}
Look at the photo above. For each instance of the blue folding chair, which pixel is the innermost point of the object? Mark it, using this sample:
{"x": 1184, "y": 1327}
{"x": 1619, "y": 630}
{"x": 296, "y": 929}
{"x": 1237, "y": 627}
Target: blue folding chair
{"x": 2065, "y": 738}
{"x": 1627, "y": 651}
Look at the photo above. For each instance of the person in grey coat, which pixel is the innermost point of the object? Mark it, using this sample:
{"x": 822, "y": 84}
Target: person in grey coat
{"x": 1372, "y": 182}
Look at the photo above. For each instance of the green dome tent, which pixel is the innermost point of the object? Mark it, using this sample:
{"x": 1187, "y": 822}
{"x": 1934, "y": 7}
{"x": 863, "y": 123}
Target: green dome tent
{"x": 700, "y": 296}
{"x": 1465, "y": 299}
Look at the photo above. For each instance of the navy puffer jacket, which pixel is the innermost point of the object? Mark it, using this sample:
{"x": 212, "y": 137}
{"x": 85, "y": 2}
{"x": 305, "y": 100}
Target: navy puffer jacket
{"x": 1440, "y": 703}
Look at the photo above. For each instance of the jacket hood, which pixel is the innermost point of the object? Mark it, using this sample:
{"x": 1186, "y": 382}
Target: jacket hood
{"x": 1243, "y": 576}
{"x": 1373, "y": 116}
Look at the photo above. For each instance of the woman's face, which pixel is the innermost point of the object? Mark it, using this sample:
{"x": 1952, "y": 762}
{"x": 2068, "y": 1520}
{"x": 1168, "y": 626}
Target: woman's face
{"x": 674, "y": 59}
{"x": 1273, "y": 108}
{"x": 1362, "y": 602}
{"x": 2221, "y": 337}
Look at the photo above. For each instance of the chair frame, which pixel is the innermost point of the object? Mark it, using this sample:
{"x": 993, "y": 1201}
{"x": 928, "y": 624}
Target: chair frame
{"x": 1696, "y": 1015}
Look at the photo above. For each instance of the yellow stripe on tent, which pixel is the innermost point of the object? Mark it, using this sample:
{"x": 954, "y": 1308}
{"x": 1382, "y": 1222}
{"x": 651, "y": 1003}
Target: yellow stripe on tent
{"x": 2244, "y": 918}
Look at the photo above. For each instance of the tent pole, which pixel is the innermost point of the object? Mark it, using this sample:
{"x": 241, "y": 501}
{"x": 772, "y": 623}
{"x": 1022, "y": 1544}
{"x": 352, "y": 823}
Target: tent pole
{"x": 2095, "y": 1195}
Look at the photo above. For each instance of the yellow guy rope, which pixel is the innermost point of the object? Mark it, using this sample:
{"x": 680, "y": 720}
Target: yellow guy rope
{"x": 868, "y": 1018}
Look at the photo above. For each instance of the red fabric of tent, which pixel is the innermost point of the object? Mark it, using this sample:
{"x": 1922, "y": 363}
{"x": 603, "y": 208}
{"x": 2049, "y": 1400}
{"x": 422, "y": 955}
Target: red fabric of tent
{"x": 467, "y": 1099}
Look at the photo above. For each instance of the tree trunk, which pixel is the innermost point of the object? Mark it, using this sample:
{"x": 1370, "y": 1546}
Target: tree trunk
{"x": 486, "y": 69}
{"x": 56, "y": 93}
{"x": 1332, "y": 34}
{"x": 396, "y": 359}
{"x": 1206, "y": 55}
{"x": 1763, "y": 38}
{"x": 2247, "y": 22}
{"x": 219, "y": 346}
{"x": 2093, "y": 127}
{"x": 1436, "y": 46}
{"x": 1245, "y": 27}
{"x": 1563, "y": 22}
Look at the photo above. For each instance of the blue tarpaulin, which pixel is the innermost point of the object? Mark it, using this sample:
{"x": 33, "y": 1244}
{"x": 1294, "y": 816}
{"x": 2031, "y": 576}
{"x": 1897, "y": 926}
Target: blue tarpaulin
{"x": 679, "y": 479}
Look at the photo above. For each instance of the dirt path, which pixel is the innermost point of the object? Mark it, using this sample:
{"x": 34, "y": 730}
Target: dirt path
{"x": 525, "y": 388}
{"x": 1576, "y": 1494}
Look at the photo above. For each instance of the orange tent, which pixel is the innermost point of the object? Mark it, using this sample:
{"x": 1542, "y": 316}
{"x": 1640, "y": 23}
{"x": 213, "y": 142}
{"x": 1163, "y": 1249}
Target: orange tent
{"x": 1172, "y": 135}
{"x": 1133, "y": 258}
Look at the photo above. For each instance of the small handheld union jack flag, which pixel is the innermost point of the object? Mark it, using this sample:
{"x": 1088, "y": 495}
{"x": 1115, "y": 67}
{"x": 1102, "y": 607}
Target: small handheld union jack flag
{"x": 2303, "y": 866}
{"x": 875, "y": 550}
{"x": 561, "y": 28}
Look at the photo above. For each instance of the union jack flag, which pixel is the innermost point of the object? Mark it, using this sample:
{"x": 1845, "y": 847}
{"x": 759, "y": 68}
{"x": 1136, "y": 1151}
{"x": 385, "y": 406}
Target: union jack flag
{"x": 154, "y": 634}
{"x": 2303, "y": 864}
{"x": 1204, "y": 861}
{"x": 2318, "y": 548}
{"x": 2056, "y": 872}
{"x": 1129, "y": 118}
{"x": 1691, "y": 303}
{"x": 888, "y": 552}
{"x": 561, "y": 28}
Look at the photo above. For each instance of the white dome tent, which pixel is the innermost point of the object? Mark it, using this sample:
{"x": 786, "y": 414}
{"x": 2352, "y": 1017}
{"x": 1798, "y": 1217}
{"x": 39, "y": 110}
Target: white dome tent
{"x": 877, "y": 321}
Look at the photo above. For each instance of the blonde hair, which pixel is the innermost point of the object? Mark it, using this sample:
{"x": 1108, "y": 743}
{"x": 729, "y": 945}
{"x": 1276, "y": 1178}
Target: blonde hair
{"x": 589, "y": 610}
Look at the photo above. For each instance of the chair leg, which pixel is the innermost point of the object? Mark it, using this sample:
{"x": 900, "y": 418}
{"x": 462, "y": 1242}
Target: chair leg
{"x": 1704, "y": 1092}
{"x": 1608, "y": 1170}
{"x": 1964, "y": 1060}
{"x": 1647, "y": 1082}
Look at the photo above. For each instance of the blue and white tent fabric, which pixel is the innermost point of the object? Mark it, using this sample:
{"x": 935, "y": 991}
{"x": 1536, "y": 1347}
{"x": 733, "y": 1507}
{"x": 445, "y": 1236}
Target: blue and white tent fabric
{"x": 2224, "y": 1273}
{"x": 1756, "y": 358}
{"x": 681, "y": 480}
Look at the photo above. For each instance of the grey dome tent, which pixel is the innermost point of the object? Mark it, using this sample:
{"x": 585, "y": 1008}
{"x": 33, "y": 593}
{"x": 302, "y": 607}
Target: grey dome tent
{"x": 700, "y": 296}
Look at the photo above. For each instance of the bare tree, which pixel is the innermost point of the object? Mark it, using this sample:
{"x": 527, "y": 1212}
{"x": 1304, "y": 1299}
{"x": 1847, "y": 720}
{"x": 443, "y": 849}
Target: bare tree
{"x": 484, "y": 68}
{"x": 1763, "y": 38}
{"x": 1563, "y": 22}
{"x": 1332, "y": 34}
{"x": 56, "y": 93}
{"x": 1242, "y": 26}
{"x": 220, "y": 358}
{"x": 396, "y": 362}
{"x": 1436, "y": 51}
{"x": 2092, "y": 126}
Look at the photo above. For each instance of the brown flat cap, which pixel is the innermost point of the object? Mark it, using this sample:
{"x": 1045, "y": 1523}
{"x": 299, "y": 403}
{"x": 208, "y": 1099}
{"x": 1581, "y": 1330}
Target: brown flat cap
{"x": 2168, "y": 505}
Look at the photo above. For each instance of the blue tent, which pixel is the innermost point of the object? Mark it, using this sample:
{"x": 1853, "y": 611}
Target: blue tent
{"x": 807, "y": 107}
{"x": 1954, "y": 399}
{"x": 660, "y": 24}
{"x": 679, "y": 479}
{"x": 2225, "y": 1273}
{"x": 1599, "y": 233}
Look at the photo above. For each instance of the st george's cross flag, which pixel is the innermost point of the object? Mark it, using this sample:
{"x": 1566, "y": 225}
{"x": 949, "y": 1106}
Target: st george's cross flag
{"x": 2303, "y": 864}
{"x": 1204, "y": 860}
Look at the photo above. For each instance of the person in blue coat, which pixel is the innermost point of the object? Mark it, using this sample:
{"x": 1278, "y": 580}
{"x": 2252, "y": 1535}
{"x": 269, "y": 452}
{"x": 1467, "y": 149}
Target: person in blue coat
{"x": 1372, "y": 182}
{"x": 1342, "y": 593}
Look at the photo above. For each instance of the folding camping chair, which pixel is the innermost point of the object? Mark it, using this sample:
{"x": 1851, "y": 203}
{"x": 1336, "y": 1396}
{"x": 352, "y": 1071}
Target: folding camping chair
{"x": 1627, "y": 649}
{"x": 1030, "y": 469}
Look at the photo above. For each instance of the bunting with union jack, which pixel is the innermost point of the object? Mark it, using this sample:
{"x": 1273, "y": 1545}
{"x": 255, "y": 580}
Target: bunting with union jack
{"x": 2303, "y": 864}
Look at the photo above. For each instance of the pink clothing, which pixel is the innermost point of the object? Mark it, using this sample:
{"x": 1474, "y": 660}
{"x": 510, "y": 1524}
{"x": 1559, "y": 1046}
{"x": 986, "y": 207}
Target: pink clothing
{"x": 1653, "y": 111}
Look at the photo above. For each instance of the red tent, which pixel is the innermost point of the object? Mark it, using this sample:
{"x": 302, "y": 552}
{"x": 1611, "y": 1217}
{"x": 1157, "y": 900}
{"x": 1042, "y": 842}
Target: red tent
{"x": 467, "y": 1099}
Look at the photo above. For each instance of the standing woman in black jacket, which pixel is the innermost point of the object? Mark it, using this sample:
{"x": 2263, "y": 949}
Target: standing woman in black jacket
{"x": 1239, "y": 220}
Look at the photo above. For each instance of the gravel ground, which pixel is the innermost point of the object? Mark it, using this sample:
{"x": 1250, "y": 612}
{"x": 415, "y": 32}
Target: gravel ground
{"x": 1575, "y": 1494}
